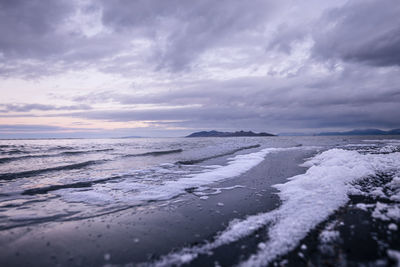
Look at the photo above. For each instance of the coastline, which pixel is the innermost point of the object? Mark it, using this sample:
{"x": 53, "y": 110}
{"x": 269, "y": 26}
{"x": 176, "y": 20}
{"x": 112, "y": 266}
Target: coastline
{"x": 140, "y": 234}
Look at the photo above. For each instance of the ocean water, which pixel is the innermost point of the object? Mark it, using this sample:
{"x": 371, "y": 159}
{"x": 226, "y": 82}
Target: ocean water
{"x": 46, "y": 180}
{"x": 64, "y": 180}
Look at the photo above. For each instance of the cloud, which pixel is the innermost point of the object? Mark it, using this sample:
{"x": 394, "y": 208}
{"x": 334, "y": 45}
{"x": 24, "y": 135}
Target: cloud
{"x": 28, "y": 28}
{"x": 305, "y": 101}
{"x": 5, "y": 108}
{"x": 360, "y": 31}
{"x": 37, "y": 128}
{"x": 41, "y": 38}
{"x": 30, "y": 128}
{"x": 45, "y": 37}
{"x": 262, "y": 65}
{"x": 183, "y": 30}
{"x": 125, "y": 35}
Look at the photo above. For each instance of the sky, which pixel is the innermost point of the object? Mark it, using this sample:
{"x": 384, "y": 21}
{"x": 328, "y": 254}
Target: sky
{"x": 109, "y": 68}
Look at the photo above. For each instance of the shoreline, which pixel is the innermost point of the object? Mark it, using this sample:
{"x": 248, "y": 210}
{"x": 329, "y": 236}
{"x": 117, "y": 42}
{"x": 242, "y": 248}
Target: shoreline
{"x": 144, "y": 233}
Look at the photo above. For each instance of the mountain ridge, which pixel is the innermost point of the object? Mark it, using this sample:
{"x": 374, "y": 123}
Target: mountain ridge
{"x": 363, "y": 132}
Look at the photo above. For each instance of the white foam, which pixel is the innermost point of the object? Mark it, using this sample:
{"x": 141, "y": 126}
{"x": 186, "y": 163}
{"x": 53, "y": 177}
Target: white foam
{"x": 235, "y": 230}
{"x": 357, "y": 145}
{"x": 236, "y": 166}
{"x": 207, "y": 191}
{"x": 310, "y": 198}
{"x": 172, "y": 188}
{"x": 307, "y": 200}
{"x": 386, "y": 212}
{"x": 389, "y": 191}
{"x": 394, "y": 187}
{"x": 392, "y": 227}
{"x": 328, "y": 236}
{"x": 389, "y": 148}
{"x": 364, "y": 207}
{"x": 92, "y": 197}
{"x": 382, "y": 140}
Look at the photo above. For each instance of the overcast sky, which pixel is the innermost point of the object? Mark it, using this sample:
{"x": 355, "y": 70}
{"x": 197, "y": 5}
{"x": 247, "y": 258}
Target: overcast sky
{"x": 170, "y": 67}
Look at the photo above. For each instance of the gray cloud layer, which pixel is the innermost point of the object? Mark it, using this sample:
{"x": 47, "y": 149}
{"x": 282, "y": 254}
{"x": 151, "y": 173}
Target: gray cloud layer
{"x": 361, "y": 31}
{"x": 344, "y": 73}
{"x": 357, "y": 31}
{"x": 348, "y": 99}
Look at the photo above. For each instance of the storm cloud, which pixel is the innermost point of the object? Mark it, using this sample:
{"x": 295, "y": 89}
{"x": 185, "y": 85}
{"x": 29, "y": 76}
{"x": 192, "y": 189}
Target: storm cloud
{"x": 260, "y": 65}
{"x": 361, "y": 31}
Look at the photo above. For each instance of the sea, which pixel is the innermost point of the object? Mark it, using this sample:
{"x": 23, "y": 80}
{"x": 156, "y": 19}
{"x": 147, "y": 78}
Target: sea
{"x": 278, "y": 201}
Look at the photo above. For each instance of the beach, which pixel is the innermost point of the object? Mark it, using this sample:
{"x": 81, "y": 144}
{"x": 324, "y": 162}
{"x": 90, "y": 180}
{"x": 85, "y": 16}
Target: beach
{"x": 230, "y": 215}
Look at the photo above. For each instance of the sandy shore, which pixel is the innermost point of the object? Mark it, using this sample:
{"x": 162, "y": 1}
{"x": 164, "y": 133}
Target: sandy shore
{"x": 145, "y": 233}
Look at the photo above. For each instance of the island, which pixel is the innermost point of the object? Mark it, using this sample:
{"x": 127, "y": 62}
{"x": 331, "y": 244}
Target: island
{"x": 228, "y": 134}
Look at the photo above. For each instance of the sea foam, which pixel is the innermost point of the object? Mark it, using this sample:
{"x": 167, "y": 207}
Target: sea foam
{"x": 307, "y": 200}
{"x": 148, "y": 192}
{"x": 310, "y": 198}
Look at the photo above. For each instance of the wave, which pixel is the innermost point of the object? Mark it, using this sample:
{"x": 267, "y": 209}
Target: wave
{"x": 15, "y": 175}
{"x": 155, "y": 153}
{"x": 83, "y": 184}
{"x": 307, "y": 200}
{"x": 189, "y": 182}
{"x": 236, "y": 166}
{"x": 85, "y": 151}
{"x": 9, "y": 159}
{"x": 195, "y": 161}
{"x": 79, "y": 152}
{"x": 66, "y": 153}
{"x": 13, "y": 151}
{"x": 133, "y": 191}
{"x": 62, "y": 148}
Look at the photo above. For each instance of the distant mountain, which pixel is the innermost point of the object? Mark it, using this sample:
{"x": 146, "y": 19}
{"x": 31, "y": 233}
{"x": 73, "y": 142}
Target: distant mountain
{"x": 227, "y": 134}
{"x": 363, "y": 132}
{"x": 295, "y": 134}
{"x": 394, "y": 132}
